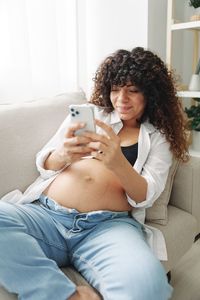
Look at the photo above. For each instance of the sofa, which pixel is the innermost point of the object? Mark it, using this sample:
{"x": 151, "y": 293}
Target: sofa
{"x": 26, "y": 127}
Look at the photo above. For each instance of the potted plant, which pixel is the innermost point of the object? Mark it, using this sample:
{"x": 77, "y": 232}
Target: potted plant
{"x": 196, "y": 5}
{"x": 193, "y": 114}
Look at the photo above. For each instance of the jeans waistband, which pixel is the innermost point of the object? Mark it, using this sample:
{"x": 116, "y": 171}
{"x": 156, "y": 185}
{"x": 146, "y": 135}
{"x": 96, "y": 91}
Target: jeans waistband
{"x": 53, "y": 205}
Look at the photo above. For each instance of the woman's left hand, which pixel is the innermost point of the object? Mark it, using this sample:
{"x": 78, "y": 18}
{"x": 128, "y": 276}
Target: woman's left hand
{"x": 106, "y": 146}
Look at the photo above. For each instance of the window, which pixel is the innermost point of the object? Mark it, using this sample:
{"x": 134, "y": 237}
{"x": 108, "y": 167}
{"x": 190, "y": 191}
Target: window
{"x": 38, "y": 52}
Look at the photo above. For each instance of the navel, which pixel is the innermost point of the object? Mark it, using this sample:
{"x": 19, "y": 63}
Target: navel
{"x": 87, "y": 178}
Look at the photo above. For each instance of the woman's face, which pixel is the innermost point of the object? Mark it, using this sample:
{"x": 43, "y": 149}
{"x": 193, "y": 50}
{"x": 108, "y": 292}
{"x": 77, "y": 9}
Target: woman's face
{"x": 128, "y": 101}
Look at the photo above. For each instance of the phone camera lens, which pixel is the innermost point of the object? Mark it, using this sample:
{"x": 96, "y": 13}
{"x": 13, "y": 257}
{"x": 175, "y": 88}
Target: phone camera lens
{"x": 77, "y": 112}
{"x": 73, "y": 114}
{"x": 72, "y": 109}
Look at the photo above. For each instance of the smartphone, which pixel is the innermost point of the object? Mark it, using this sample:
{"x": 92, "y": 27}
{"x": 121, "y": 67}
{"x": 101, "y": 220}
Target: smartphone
{"x": 85, "y": 114}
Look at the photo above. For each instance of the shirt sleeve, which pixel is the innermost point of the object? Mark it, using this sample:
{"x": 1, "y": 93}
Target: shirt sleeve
{"x": 52, "y": 144}
{"x": 155, "y": 170}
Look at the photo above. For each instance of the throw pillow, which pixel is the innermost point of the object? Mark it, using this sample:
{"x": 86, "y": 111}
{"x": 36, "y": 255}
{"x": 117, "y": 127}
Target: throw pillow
{"x": 158, "y": 212}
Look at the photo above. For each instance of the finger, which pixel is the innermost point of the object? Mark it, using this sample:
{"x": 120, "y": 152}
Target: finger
{"x": 109, "y": 131}
{"x": 79, "y": 150}
{"x": 97, "y": 146}
{"x": 104, "y": 139}
{"x": 98, "y": 155}
{"x": 77, "y": 156}
{"x": 76, "y": 140}
{"x": 72, "y": 128}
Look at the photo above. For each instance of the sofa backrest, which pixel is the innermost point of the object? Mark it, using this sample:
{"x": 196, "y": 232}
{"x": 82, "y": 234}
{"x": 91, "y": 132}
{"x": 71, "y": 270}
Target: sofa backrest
{"x": 24, "y": 129}
{"x": 186, "y": 188}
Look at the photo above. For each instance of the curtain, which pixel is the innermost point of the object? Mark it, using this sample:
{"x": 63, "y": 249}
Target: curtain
{"x": 38, "y": 48}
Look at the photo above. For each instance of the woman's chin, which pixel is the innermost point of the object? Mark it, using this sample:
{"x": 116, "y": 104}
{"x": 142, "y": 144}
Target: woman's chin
{"x": 125, "y": 116}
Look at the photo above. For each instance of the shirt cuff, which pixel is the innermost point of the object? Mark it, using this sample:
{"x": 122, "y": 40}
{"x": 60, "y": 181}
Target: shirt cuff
{"x": 40, "y": 159}
{"x": 148, "y": 202}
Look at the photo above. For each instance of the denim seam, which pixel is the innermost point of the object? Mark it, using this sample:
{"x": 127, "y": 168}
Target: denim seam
{"x": 58, "y": 246}
{"x": 93, "y": 268}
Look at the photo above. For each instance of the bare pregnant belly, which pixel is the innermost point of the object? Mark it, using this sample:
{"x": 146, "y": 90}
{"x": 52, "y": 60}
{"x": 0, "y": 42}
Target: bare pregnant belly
{"x": 87, "y": 185}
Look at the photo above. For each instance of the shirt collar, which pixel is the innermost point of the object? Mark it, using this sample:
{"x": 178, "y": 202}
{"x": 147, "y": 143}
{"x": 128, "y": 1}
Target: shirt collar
{"x": 149, "y": 127}
{"x": 114, "y": 119}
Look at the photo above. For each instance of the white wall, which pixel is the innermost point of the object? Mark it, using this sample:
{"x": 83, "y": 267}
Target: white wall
{"x": 157, "y": 24}
{"x": 182, "y": 46}
{"x": 178, "y": 51}
{"x": 182, "y": 42}
{"x": 38, "y": 49}
{"x": 107, "y": 25}
{"x": 110, "y": 25}
{"x": 188, "y": 41}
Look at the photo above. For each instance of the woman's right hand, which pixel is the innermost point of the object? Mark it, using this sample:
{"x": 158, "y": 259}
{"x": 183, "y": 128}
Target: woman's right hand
{"x": 74, "y": 146}
{"x": 72, "y": 149}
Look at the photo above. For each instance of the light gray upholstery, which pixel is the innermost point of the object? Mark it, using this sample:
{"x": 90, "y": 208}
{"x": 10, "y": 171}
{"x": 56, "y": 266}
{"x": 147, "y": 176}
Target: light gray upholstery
{"x": 179, "y": 234}
{"x": 186, "y": 188}
{"x": 25, "y": 128}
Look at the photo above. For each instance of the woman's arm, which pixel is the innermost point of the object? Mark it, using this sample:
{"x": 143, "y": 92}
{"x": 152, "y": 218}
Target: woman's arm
{"x": 67, "y": 148}
{"x": 141, "y": 189}
{"x": 133, "y": 183}
{"x": 73, "y": 148}
{"x": 155, "y": 171}
{"x": 45, "y": 153}
{"x": 54, "y": 161}
{"x": 106, "y": 148}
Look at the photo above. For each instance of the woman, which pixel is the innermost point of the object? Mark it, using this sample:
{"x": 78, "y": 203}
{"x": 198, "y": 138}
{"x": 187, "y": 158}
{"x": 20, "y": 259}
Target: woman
{"x": 87, "y": 208}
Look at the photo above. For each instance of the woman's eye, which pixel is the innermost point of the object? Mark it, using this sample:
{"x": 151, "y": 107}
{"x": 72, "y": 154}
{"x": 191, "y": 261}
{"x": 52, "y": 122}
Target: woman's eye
{"x": 133, "y": 91}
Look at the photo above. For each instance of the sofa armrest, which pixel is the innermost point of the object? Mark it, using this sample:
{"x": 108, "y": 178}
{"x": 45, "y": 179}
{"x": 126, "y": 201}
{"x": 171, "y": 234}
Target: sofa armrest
{"x": 186, "y": 188}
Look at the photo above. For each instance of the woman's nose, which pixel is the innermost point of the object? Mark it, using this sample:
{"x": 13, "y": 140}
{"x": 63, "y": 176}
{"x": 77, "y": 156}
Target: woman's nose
{"x": 122, "y": 95}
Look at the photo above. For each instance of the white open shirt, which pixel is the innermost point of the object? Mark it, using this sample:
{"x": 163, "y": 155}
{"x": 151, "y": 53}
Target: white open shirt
{"x": 153, "y": 163}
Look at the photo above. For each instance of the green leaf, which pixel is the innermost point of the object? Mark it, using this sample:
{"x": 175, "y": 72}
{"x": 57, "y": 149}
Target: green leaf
{"x": 193, "y": 114}
{"x": 194, "y": 3}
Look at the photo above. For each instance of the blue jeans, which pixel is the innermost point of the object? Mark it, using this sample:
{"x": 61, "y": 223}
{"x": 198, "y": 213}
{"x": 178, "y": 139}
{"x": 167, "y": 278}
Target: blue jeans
{"x": 107, "y": 248}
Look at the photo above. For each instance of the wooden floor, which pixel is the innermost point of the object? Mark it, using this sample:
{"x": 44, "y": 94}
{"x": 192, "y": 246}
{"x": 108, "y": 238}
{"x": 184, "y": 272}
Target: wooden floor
{"x": 185, "y": 278}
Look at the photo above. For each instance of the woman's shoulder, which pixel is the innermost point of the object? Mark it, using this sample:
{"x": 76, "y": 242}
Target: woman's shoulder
{"x": 147, "y": 126}
{"x": 154, "y": 133}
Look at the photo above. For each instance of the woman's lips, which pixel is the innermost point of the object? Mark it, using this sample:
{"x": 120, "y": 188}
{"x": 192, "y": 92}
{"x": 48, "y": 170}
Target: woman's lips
{"x": 123, "y": 109}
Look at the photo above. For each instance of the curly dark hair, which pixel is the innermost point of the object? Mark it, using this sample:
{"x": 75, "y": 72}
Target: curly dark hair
{"x": 149, "y": 74}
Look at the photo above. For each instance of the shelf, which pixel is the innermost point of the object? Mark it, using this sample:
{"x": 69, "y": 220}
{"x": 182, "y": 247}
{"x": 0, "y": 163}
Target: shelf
{"x": 193, "y": 152}
{"x": 193, "y": 25}
{"x": 188, "y": 94}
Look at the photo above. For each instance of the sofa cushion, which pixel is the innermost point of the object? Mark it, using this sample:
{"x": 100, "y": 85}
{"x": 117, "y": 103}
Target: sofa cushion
{"x": 21, "y": 139}
{"x": 179, "y": 234}
{"x": 5, "y": 295}
{"x": 70, "y": 272}
{"x": 158, "y": 212}
{"x": 186, "y": 188}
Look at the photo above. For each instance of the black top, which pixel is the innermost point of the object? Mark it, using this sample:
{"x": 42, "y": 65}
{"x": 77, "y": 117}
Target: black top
{"x": 130, "y": 152}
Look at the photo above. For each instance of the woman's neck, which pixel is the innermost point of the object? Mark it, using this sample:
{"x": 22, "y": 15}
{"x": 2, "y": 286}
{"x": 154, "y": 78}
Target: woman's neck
{"x": 130, "y": 123}
{"x": 129, "y": 135}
